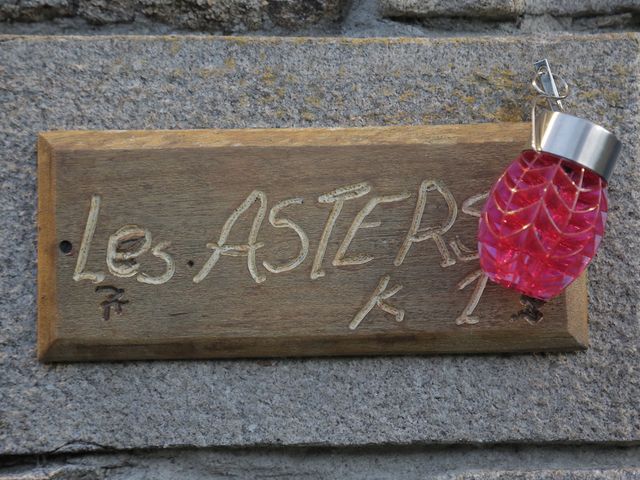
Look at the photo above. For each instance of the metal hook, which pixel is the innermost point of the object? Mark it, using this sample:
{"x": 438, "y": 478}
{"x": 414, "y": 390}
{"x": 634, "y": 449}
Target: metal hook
{"x": 545, "y": 84}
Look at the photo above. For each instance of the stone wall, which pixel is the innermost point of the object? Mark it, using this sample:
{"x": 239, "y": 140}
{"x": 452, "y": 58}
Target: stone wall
{"x": 220, "y": 16}
{"x": 317, "y": 17}
{"x": 544, "y": 416}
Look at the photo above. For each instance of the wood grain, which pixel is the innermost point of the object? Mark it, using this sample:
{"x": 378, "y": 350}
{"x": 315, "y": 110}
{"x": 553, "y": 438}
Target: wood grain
{"x": 183, "y": 187}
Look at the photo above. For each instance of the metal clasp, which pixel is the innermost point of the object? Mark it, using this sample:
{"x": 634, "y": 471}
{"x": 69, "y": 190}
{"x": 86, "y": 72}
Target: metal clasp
{"x": 566, "y": 136}
{"x": 544, "y": 83}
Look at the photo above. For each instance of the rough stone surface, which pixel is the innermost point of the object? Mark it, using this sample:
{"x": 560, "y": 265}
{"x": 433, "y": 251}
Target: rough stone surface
{"x": 456, "y": 463}
{"x": 596, "y": 474}
{"x": 199, "y": 82}
{"x": 513, "y": 17}
{"x": 35, "y": 10}
{"x": 580, "y": 8}
{"x": 358, "y": 18}
{"x": 209, "y": 16}
{"x": 492, "y": 9}
{"x": 497, "y": 9}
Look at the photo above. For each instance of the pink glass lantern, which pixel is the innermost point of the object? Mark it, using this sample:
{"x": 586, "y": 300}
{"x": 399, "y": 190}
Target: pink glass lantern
{"x": 545, "y": 216}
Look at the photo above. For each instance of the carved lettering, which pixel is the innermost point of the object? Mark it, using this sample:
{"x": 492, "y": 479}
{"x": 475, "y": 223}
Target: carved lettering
{"x": 83, "y": 254}
{"x": 467, "y": 317}
{"x": 247, "y": 250}
{"x": 337, "y": 197}
{"x": 159, "y": 251}
{"x": 124, "y": 246}
{"x": 358, "y": 223}
{"x": 462, "y": 252}
{"x": 286, "y": 223}
{"x": 377, "y": 299}
{"x": 130, "y": 242}
{"x": 469, "y": 205}
{"x": 418, "y": 234}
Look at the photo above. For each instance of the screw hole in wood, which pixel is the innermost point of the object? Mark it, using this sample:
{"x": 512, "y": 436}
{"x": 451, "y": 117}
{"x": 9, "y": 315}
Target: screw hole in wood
{"x": 66, "y": 247}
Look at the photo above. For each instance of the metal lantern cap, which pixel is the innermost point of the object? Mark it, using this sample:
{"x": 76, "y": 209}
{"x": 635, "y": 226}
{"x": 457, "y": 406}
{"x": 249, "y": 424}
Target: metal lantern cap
{"x": 576, "y": 139}
{"x": 566, "y": 136}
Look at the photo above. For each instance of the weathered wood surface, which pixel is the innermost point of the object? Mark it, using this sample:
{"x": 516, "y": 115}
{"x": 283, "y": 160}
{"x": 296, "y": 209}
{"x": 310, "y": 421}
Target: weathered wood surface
{"x": 369, "y": 210}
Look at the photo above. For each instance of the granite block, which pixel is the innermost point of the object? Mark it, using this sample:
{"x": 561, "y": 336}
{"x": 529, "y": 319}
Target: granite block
{"x": 119, "y": 82}
{"x": 506, "y": 9}
{"x": 219, "y": 16}
{"x": 488, "y": 10}
{"x": 373, "y": 463}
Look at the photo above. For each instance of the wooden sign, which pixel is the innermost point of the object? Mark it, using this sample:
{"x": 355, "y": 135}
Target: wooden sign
{"x": 250, "y": 243}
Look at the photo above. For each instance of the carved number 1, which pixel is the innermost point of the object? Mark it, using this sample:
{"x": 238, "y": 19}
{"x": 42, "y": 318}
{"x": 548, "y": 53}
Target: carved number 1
{"x": 466, "y": 315}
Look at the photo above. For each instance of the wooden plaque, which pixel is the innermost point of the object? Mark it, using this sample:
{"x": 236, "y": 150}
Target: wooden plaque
{"x": 252, "y": 243}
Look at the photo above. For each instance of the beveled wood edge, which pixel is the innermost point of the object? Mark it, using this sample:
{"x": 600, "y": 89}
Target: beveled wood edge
{"x": 47, "y": 313}
{"x": 49, "y": 347}
{"x": 286, "y": 137}
{"x": 70, "y": 350}
{"x": 577, "y": 304}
